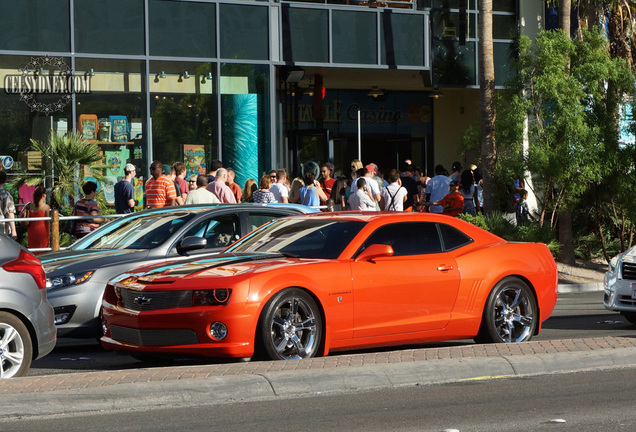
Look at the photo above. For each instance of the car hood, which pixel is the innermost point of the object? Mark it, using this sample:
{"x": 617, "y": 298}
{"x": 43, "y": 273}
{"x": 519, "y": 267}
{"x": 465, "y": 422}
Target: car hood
{"x": 70, "y": 261}
{"x": 229, "y": 264}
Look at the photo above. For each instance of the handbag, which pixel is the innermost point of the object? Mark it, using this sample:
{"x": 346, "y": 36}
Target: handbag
{"x": 25, "y": 213}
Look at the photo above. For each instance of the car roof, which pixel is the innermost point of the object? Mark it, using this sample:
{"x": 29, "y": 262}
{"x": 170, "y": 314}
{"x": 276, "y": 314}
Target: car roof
{"x": 198, "y": 208}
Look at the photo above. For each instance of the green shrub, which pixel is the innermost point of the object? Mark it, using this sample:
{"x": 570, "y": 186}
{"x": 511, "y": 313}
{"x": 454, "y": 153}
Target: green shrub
{"x": 501, "y": 225}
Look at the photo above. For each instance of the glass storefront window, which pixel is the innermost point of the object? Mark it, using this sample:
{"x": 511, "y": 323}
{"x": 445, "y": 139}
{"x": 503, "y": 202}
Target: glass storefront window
{"x": 182, "y": 29}
{"x": 245, "y": 113}
{"x": 305, "y": 35}
{"x": 117, "y": 104}
{"x": 446, "y": 24}
{"x": 183, "y": 114}
{"x": 26, "y": 25}
{"x": 402, "y": 38}
{"x": 25, "y": 116}
{"x": 504, "y": 27}
{"x": 244, "y": 32}
{"x": 503, "y": 55}
{"x": 454, "y": 64}
{"x": 109, "y": 26}
{"x": 354, "y": 37}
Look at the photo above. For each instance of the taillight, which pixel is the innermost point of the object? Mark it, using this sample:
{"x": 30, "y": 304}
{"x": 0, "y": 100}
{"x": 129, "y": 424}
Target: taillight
{"x": 212, "y": 297}
{"x": 27, "y": 263}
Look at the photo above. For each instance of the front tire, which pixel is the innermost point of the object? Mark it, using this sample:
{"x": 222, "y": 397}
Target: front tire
{"x": 291, "y": 326}
{"x": 511, "y": 313}
{"x": 16, "y": 349}
{"x": 630, "y": 316}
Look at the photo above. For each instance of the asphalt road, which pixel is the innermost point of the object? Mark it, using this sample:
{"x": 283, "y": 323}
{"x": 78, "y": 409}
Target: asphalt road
{"x": 576, "y": 316}
{"x": 597, "y": 401}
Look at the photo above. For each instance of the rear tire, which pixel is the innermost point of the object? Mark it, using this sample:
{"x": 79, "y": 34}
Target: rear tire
{"x": 16, "y": 348}
{"x": 290, "y": 326}
{"x": 511, "y": 313}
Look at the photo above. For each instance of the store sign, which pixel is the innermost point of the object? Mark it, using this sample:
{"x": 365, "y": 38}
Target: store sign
{"x": 57, "y": 80}
{"x": 7, "y": 162}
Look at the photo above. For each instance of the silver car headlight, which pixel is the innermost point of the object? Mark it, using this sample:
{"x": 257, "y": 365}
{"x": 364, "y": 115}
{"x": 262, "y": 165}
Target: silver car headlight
{"x": 69, "y": 279}
{"x": 613, "y": 263}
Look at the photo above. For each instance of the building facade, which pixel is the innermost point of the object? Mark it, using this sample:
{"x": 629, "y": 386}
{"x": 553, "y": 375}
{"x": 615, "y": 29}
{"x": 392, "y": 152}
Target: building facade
{"x": 256, "y": 84}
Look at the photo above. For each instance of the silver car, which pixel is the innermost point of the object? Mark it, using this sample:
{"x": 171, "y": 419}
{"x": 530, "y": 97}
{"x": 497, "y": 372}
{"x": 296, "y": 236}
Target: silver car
{"x": 77, "y": 276}
{"x": 620, "y": 285}
{"x": 27, "y": 331}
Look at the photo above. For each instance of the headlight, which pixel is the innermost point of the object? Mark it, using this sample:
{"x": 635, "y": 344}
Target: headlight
{"x": 69, "y": 279}
{"x": 613, "y": 262}
{"x": 211, "y": 297}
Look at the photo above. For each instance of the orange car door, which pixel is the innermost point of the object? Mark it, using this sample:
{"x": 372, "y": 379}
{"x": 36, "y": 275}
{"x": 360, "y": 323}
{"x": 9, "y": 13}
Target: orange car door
{"x": 412, "y": 290}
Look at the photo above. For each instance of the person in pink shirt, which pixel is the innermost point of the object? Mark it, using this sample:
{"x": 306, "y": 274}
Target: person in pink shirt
{"x": 180, "y": 173}
{"x": 220, "y": 189}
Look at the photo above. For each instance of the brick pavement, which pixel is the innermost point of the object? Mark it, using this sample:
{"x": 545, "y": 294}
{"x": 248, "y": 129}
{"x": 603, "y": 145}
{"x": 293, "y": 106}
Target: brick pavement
{"x": 88, "y": 380}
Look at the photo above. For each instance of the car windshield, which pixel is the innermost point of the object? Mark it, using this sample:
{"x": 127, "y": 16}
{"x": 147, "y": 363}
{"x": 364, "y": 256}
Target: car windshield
{"x": 144, "y": 232}
{"x": 303, "y": 238}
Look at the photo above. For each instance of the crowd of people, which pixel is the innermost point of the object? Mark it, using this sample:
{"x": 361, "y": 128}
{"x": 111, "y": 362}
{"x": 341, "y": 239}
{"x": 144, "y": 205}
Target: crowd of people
{"x": 364, "y": 188}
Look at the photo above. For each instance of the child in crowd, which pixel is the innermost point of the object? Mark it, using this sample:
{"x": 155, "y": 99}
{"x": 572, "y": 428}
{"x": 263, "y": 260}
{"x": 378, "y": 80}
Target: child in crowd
{"x": 522, "y": 212}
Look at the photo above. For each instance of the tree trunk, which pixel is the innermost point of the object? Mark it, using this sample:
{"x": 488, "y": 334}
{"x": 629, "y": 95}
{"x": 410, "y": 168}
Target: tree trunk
{"x": 566, "y": 238}
{"x": 487, "y": 102}
{"x": 565, "y": 12}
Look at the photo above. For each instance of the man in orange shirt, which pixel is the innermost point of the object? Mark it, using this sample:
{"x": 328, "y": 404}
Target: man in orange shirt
{"x": 160, "y": 191}
{"x": 453, "y": 202}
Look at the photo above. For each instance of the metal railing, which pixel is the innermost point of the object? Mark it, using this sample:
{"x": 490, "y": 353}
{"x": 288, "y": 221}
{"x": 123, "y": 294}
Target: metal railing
{"x": 55, "y": 218}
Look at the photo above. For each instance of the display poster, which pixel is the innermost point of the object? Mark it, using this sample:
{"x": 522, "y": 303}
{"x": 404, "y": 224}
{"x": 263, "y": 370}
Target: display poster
{"x": 109, "y": 189}
{"x": 88, "y": 127}
{"x": 194, "y": 159}
{"x": 116, "y": 161}
{"x": 139, "y": 190}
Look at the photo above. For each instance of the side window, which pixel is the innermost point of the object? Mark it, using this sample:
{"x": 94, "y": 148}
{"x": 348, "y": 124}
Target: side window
{"x": 260, "y": 218}
{"x": 411, "y": 238}
{"x": 219, "y": 230}
{"x": 453, "y": 238}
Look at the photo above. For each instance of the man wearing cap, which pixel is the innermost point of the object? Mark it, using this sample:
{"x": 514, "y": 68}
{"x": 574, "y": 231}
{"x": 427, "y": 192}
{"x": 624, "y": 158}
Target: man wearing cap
{"x": 457, "y": 171}
{"x": 125, "y": 192}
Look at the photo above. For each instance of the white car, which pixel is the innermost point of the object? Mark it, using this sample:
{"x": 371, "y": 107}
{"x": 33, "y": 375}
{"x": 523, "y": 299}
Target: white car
{"x": 620, "y": 285}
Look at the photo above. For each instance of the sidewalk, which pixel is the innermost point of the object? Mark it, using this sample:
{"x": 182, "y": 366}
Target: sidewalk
{"x": 245, "y": 381}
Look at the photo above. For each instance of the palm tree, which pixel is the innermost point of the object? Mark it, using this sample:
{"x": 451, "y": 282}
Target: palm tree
{"x": 487, "y": 101}
{"x": 62, "y": 158}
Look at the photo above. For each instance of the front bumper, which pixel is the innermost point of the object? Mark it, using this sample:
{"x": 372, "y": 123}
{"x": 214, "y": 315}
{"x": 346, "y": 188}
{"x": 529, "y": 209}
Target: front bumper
{"x": 179, "y": 331}
{"x": 618, "y": 293}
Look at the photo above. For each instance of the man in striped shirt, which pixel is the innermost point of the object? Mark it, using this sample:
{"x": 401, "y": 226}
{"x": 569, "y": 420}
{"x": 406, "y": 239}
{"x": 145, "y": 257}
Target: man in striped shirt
{"x": 160, "y": 191}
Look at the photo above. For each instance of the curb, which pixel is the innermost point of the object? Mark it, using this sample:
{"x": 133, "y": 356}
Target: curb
{"x": 280, "y": 385}
{"x": 580, "y": 288}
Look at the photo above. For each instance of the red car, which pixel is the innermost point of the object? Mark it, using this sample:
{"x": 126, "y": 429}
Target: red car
{"x": 309, "y": 285}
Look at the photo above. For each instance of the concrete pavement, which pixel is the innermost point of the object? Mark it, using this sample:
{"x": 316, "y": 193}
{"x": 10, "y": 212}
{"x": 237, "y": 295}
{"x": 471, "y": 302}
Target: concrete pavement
{"x": 243, "y": 381}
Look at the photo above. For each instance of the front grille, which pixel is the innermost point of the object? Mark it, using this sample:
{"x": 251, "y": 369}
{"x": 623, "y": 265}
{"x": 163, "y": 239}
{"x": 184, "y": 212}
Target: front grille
{"x": 629, "y": 271}
{"x": 154, "y": 337}
{"x": 155, "y": 300}
{"x": 627, "y": 301}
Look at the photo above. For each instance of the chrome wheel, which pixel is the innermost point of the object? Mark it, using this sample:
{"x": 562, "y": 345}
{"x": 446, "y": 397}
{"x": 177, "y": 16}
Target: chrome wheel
{"x": 15, "y": 347}
{"x": 292, "y": 326}
{"x": 511, "y": 313}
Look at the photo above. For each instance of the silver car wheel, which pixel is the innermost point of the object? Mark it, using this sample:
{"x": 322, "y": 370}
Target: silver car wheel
{"x": 511, "y": 313}
{"x": 15, "y": 347}
{"x": 292, "y": 327}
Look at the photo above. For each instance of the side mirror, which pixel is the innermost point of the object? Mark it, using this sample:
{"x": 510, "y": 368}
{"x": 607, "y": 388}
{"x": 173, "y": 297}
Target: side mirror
{"x": 191, "y": 243}
{"x": 375, "y": 251}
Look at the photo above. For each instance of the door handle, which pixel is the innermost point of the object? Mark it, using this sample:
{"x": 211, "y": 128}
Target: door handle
{"x": 444, "y": 267}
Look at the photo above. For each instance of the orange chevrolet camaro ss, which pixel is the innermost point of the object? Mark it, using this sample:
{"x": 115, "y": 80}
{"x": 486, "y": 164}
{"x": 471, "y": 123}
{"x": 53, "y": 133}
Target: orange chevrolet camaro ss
{"x": 305, "y": 286}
